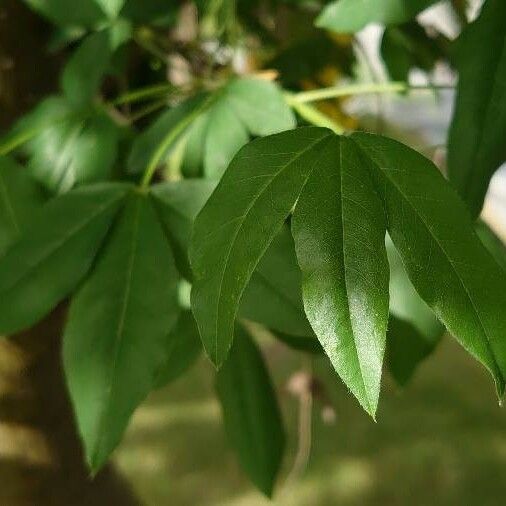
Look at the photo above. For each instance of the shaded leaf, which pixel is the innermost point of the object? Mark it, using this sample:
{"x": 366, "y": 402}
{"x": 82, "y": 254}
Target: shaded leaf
{"x": 116, "y": 336}
{"x": 184, "y": 348}
{"x": 350, "y": 16}
{"x": 178, "y": 203}
{"x": 443, "y": 256}
{"x": 111, "y": 7}
{"x": 250, "y": 412}
{"x": 339, "y": 231}
{"x": 413, "y": 330}
{"x": 54, "y": 253}
{"x": 476, "y": 146}
{"x": 273, "y": 296}
{"x": 81, "y": 12}
{"x": 20, "y": 198}
{"x": 494, "y": 244}
{"x": 240, "y": 220}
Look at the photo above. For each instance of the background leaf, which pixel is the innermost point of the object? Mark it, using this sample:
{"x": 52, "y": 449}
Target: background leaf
{"x": 182, "y": 350}
{"x": 54, "y": 253}
{"x": 63, "y": 12}
{"x": 20, "y": 198}
{"x": 445, "y": 260}
{"x": 339, "y": 231}
{"x": 476, "y": 146}
{"x": 111, "y": 7}
{"x": 116, "y": 336}
{"x": 413, "y": 330}
{"x": 71, "y": 146}
{"x": 250, "y": 412}
{"x": 350, "y": 16}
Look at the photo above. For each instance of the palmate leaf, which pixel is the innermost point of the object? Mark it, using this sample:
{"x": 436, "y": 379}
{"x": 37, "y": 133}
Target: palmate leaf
{"x": 54, "y": 253}
{"x": 250, "y": 411}
{"x": 476, "y": 146}
{"x": 337, "y": 228}
{"x": 214, "y": 128}
{"x": 116, "y": 337}
{"x": 349, "y": 16}
{"x": 20, "y": 198}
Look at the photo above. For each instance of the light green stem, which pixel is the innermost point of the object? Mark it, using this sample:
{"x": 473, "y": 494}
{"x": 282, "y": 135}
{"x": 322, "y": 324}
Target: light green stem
{"x": 361, "y": 89}
{"x": 143, "y": 93}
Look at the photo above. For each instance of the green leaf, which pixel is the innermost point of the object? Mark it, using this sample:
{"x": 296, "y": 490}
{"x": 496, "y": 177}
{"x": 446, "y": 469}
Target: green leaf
{"x": 408, "y": 46}
{"x": 70, "y": 146}
{"x": 178, "y": 203}
{"x": 80, "y": 13}
{"x": 476, "y": 146}
{"x": 494, "y": 244}
{"x": 116, "y": 336}
{"x": 20, "y": 200}
{"x": 184, "y": 347}
{"x": 82, "y": 75}
{"x": 443, "y": 256}
{"x": 339, "y": 230}
{"x": 250, "y": 412}
{"x": 216, "y": 127}
{"x": 406, "y": 348}
{"x": 111, "y": 7}
{"x": 225, "y": 135}
{"x": 240, "y": 220}
{"x": 349, "y": 16}
{"x": 54, "y": 253}
{"x": 413, "y": 330}
{"x": 273, "y": 296}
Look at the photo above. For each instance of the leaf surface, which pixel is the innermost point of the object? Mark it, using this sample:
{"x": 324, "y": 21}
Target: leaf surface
{"x": 250, "y": 412}
{"x": 116, "y": 336}
{"x": 339, "y": 230}
{"x": 54, "y": 253}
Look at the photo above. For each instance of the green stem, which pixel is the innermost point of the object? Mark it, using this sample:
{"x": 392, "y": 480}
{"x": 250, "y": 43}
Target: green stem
{"x": 312, "y": 115}
{"x": 169, "y": 138}
{"x": 143, "y": 93}
{"x": 361, "y": 89}
{"x": 146, "y": 111}
{"x": 144, "y": 39}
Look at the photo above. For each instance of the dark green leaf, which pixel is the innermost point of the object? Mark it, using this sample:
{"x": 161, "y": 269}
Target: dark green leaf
{"x": 71, "y": 146}
{"x": 350, "y": 16}
{"x": 54, "y": 253}
{"x": 80, "y": 12}
{"x": 273, "y": 296}
{"x": 238, "y": 223}
{"x": 407, "y": 47}
{"x": 443, "y": 256}
{"x": 185, "y": 347}
{"x": 476, "y": 146}
{"x": 300, "y": 343}
{"x": 116, "y": 336}
{"x": 178, "y": 204}
{"x": 251, "y": 413}
{"x": 20, "y": 199}
{"x": 339, "y": 231}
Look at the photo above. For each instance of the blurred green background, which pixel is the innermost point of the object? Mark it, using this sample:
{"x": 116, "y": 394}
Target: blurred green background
{"x": 442, "y": 440}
